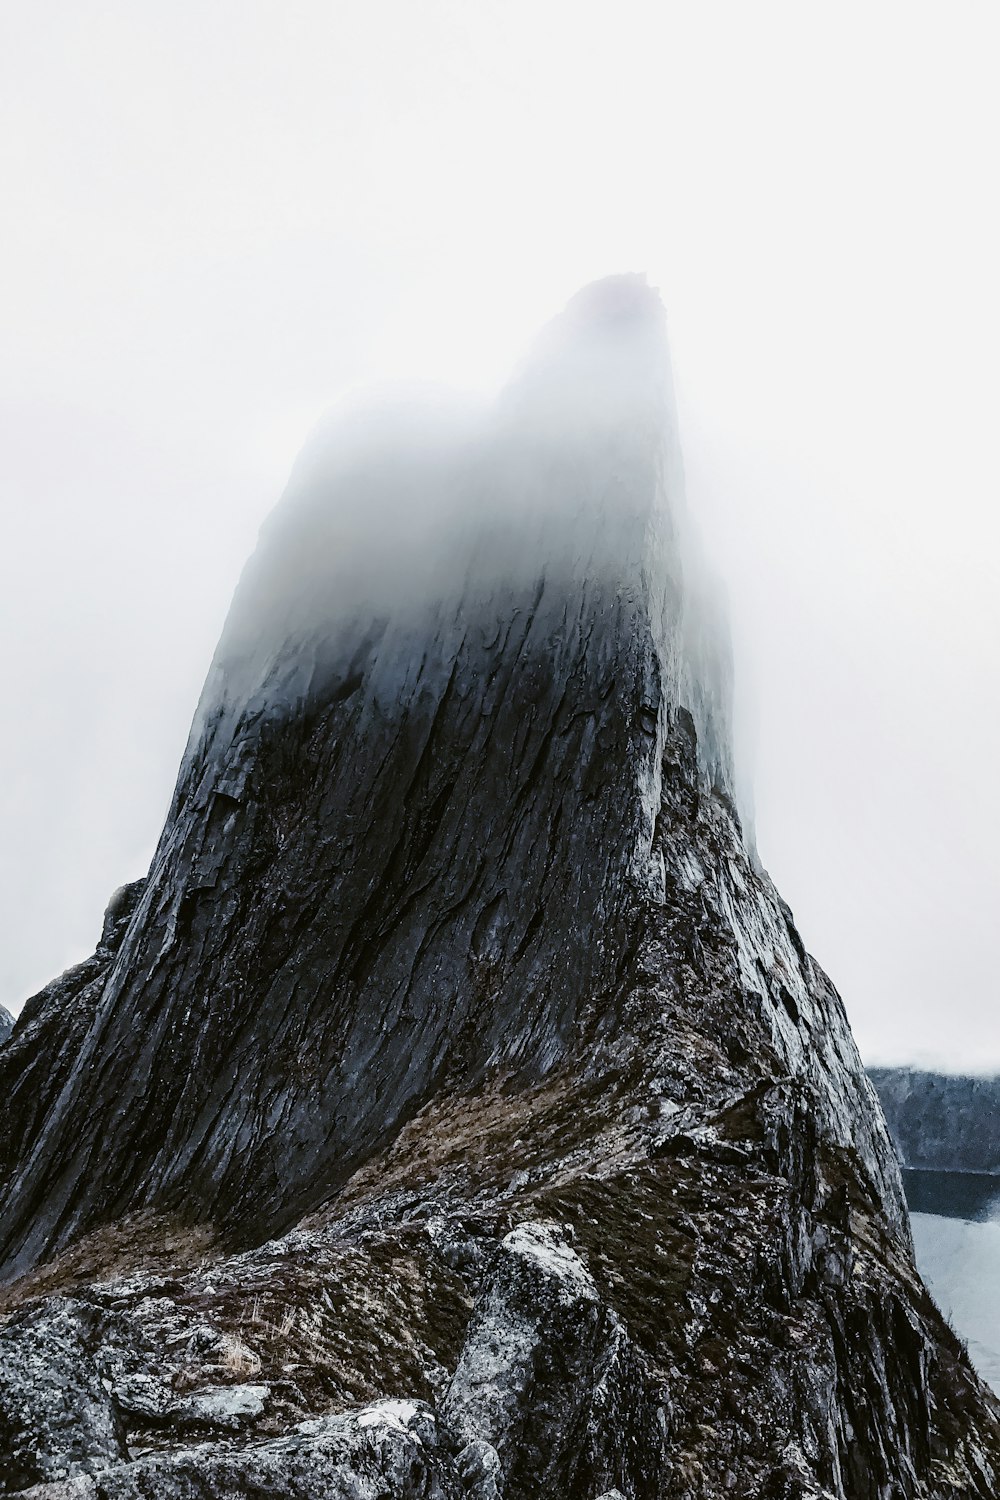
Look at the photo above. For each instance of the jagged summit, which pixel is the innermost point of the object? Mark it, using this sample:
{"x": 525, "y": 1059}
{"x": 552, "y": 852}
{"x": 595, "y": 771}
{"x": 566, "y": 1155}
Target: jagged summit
{"x": 454, "y": 962}
{"x": 419, "y": 800}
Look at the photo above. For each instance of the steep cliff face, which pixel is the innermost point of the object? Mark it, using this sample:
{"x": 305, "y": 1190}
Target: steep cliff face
{"x": 415, "y": 803}
{"x": 414, "y": 837}
{"x": 941, "y": 1121}
{"x": 43, "y": 1047}
{"x": 454, "y": 954}
{"x": 6, "y": 1024}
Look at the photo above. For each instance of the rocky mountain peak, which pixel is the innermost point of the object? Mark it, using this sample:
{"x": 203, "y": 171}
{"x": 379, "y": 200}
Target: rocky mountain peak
{"x": 457, "y": 1076}
{"x": 425, "y": 772}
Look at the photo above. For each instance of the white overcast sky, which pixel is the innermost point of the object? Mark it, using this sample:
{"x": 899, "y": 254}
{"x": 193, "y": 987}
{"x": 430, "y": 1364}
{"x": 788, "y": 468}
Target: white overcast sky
{"x": 216, "y": 216}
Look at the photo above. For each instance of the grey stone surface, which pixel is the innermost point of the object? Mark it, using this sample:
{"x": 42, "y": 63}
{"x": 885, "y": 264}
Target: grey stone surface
{"x": 57, "y": 1418}
{"x": 38, "y": 1059}
{"x": 229, "y": 1406}
{"x": 548, "y": 1379}
{"x": 387, "y": 1452}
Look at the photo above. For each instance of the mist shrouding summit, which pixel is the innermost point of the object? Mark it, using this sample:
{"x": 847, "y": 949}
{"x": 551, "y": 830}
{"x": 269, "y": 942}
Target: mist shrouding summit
{"x": 449, "y": 670}
{"x": 415, "y": 501}
{"x": 216, "y": 229}
{"x": 454, "y": 954}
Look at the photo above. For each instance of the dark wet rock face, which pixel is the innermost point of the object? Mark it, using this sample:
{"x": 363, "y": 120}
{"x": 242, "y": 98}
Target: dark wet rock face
{"x": 941, "y": 1121}
{"x": 455, "y": 972}
{"x": 38, "y": 1060}
{"x": 412, "y": 832}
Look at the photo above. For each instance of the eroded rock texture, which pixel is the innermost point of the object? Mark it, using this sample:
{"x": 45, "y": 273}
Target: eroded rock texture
{"x": 387, "y": 1450}
{"x": 455, "y": 971}
{"x": 39, "y": 1057}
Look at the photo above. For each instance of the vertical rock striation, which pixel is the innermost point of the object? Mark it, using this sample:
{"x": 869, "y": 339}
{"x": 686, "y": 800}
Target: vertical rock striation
{"x": 418, "y": 801}
{"x": 454, "y": 944}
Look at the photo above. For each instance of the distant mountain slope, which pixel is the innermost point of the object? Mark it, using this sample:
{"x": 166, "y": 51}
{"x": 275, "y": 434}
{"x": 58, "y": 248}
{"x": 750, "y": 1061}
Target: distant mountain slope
{"x": 941, "y": 1121}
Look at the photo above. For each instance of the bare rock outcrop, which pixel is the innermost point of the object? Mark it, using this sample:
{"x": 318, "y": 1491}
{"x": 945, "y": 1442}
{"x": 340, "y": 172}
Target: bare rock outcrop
{"x": 41, "y": 1053}
{"x": 455, "y": 1109}
{"x": 57, "y": 1419}
{"x": 549, "y": 1382}
{"x": 386, "y": 1450}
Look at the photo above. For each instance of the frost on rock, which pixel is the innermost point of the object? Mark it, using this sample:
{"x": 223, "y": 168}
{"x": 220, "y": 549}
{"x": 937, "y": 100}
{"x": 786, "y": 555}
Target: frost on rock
{"x": 562, "y": 1269}
{"x": 403, "y": 1416}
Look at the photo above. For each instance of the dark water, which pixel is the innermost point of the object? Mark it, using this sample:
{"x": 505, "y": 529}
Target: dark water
{"x": 956, "y": 1234}
{"x": 972, "y": 1196}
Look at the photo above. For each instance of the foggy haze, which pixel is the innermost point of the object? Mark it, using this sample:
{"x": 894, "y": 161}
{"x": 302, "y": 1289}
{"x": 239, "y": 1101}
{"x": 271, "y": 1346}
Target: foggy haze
{"x": 221, "y": 220}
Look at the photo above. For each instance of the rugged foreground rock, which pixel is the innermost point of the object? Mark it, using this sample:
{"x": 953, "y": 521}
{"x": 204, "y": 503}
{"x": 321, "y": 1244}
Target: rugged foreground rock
{"x": 940, "y": 1121}
{"x": 455, "y": 1110}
